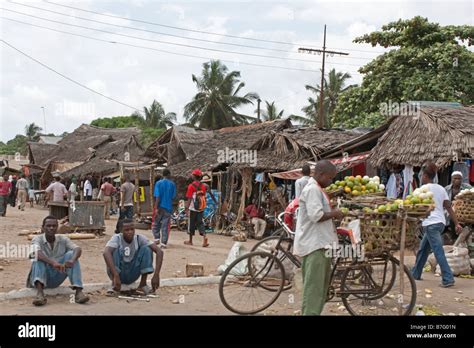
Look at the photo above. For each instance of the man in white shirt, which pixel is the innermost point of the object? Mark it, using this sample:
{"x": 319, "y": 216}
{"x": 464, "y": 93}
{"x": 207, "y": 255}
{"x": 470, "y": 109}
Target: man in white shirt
{"x": 57, "y": 190}
{"x": 301, "y": 182}
{"x": 315, "y": 233}
{"x": 433, "y": 226}
{"x": 88, "y": 189}
{"x": 72, "y": 191}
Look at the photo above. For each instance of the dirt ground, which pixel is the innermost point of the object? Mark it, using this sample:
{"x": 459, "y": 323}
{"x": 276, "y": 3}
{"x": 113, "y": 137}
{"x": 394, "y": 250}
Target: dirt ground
{"x": 191, "y": 300}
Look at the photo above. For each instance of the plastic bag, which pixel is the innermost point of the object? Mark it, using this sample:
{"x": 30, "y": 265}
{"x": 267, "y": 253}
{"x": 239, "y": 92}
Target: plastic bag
{"x": 235, "y": 252}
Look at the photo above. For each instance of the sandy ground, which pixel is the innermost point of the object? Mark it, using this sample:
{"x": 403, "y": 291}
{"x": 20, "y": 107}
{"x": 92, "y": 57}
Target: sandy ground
{"x": 192, "y": 300}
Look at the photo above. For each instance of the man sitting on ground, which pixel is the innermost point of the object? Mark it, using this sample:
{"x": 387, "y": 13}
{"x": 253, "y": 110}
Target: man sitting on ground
{"x": 56, "y": 258}
{"x": 129, "y": 256}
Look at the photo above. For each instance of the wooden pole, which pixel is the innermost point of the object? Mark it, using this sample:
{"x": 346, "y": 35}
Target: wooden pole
{"x": 151, "y": 190}
{"x": 402, "y": 263}
{"x": 137, "y": 187}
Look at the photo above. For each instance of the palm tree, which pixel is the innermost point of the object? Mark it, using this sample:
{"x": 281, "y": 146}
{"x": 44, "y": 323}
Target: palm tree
{"x": 155, "y": 116}
{"x": 271, "y": 113}
{"x": 332, "y": 90}
{"x": 214, "y": 105}
{"x": 32, "y": 131}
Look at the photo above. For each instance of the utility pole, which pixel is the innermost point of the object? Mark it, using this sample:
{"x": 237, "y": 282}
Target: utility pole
{"x": 258, "y": 110}
{"x": 44, "y": 119}
{"x": 324, "y": 52}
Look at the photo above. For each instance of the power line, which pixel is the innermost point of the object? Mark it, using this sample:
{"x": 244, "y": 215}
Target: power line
{"x": 158, "y": 50}
{"x": 167, "y": 34}
{"x": 68, "y": 78}
{"x": 194, "y": 30}
{"x": 167, "y": 42}
{"x": 156, "y": 32}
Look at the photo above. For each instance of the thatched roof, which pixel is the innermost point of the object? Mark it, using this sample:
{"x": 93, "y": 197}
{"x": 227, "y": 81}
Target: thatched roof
{"x": 94, "y": 166}
{"x": 362, "y": 143}
{"x": 90, "y": 149}
{"x": 303, "y": 143}
{"x": 40, "y": 154}
{"x": 177, "y": 144}
{"x": 234, "y": 138}
{"x": 437, "y": 134}
{"x": 82, "y": 144}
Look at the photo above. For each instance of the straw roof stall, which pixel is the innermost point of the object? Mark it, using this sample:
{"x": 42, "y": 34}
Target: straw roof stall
{"x": 40, "y": 154}
{"x": 89, "y": 150}
{"x": 178, "y": 144}
{"x": 235, "y": 138}
{"x": 292, "y": 148}
{"x": 438, "y": 134}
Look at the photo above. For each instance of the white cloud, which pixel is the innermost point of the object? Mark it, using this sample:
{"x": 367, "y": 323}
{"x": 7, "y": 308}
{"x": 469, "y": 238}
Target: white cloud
{"x": 281, "y": 13}
{"x": 98, "y": 85}
{"x": 31, "y": 92}
{"x": 173, "y": 9}
{"x": 135, "y": 76}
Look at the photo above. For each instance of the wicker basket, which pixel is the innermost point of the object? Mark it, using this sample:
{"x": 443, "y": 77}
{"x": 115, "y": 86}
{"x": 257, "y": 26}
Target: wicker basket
{"x": 464, "y": 209}
{"x": 382, "y": 232}
{"x": 419, "y": 210}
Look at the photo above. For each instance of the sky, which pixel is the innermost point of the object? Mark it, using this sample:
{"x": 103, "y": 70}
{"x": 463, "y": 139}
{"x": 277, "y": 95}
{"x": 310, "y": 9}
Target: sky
{"x": 151, "y": 61}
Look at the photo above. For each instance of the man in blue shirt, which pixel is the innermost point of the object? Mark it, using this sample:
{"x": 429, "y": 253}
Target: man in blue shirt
{"x": 164, "y": 193}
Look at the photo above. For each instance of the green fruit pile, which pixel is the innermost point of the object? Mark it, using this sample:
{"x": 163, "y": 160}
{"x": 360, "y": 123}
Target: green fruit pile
{"x": 358, "y": 185}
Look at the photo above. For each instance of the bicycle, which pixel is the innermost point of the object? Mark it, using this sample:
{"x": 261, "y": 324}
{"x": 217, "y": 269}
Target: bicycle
{"x": 366, "y": 286}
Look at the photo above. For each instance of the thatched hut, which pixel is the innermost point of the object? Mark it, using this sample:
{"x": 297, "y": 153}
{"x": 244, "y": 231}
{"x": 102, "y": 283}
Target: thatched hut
{"x": 439, "y": 134}
{"x": 177, "y": 144}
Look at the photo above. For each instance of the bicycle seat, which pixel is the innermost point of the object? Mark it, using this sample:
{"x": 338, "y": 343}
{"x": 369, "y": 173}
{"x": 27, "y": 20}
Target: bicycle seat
{"x": 343, "y": 231}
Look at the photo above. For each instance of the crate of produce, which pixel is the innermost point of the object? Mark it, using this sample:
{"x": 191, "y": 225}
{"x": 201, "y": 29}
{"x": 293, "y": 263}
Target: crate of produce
{"x": 464, "y": 209}
{"x": 381, "y": 232}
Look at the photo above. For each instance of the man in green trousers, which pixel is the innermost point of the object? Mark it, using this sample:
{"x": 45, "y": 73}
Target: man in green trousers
{"x": 315, "y": 234}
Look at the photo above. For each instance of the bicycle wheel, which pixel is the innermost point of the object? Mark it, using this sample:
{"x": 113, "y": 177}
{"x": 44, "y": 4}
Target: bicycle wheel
{"x": 242, "y": 288}
{"x": 379, "y": 272}
{"x": 269, "y": 245}
{"x": 372, "y": 297}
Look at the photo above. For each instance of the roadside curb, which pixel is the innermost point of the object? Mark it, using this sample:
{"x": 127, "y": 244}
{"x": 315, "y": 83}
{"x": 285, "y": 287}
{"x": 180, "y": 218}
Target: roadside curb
{"x": 66, "y": 290}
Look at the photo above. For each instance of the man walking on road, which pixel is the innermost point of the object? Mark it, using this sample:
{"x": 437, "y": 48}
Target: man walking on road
{"x": 107, "y": 190}
{"x": 164, "y": 193}
{"x": 196, "y": 195}
{"x": 22, "y": 191}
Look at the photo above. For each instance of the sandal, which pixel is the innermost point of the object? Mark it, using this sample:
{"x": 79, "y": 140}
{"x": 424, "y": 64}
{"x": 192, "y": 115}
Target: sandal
{"x": 144, "y": 291}
{"x": 40, "y": 301}
{"x": 81, "y": 298}
{"x": 187, "y": 242}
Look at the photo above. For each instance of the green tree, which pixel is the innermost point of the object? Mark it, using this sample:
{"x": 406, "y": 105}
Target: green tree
{"x": 215, "y": 104}
{"x": 148, "y": 135}
{"x": 119, "y": 121}
{"x": 32, "y": 131}
{"x": 334, "y": 85}
{"x": 428, "y": 62}
{"x": 270, "y": 113}
{"x": 17, "y": 144}
{"x": 156, "y": 117}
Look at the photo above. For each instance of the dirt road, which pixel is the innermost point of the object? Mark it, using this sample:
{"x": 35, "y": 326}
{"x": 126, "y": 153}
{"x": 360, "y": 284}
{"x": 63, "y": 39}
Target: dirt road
{"x": 192, "y": 300}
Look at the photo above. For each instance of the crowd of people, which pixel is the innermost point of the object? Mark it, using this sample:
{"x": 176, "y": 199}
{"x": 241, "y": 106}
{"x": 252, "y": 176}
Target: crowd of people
{"x": 129, "y": 256}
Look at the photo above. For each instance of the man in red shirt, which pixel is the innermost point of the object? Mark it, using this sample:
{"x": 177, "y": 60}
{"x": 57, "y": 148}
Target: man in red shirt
{"x": 107, "y": 190}
{"x": 5, "y": 189}
{"x": 196, "y": 190}
{"x": 256, "y": 216}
